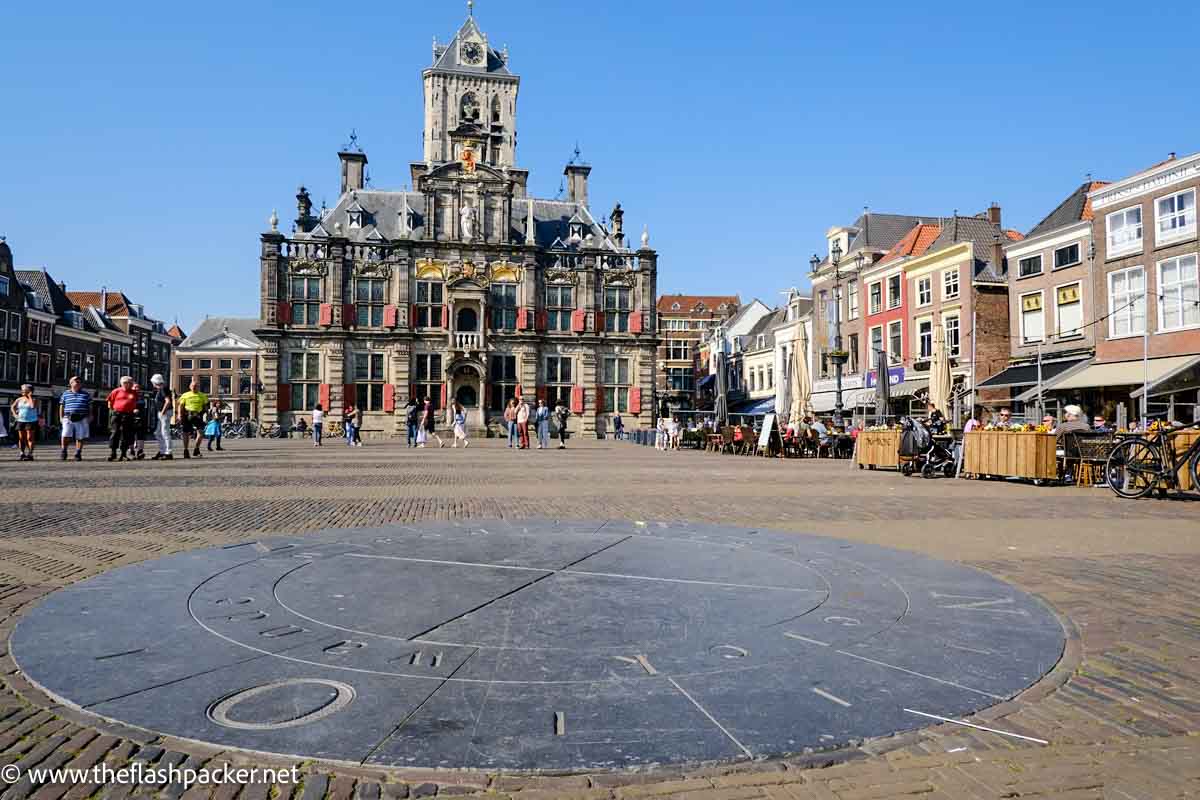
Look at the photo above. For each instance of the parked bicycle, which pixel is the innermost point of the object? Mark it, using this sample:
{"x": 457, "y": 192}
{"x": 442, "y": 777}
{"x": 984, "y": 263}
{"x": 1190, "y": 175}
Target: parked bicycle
{"x": 1138, "y": 466}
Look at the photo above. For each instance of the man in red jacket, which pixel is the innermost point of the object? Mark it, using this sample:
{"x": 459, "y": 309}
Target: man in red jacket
{"x": 122, "y": 403}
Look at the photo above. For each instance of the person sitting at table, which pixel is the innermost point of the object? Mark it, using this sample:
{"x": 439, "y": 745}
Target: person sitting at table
{"x": 1100, "y": 425}
{"x": 937, "y": 420}
{"x": 1075, "y": 422}
{"x": 1049, "y": 423}
{"x": 1005, "y": 417}
{"x": 820, "y": 431}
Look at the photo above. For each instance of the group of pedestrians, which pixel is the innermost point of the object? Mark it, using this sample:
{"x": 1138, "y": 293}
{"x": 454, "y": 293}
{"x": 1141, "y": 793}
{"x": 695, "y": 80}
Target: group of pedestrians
{"x": 130, "y": 411}
{"x": 420, "y": 419}
{"x": 518, "y": 415}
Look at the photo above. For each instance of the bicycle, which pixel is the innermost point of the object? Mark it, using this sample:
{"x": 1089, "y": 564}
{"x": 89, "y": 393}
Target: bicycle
{"x": 1136, "y": 467}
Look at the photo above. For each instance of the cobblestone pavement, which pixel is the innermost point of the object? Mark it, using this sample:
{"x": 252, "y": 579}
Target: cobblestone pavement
{"x": 1121, "y": 712}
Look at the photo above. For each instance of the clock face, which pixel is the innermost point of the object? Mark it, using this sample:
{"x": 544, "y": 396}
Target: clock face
{"x": 472, "y": 52}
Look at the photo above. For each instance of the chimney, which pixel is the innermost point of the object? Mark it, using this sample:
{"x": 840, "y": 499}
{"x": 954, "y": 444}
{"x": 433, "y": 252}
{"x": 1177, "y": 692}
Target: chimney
{"x": 577, "y": 183}
{"x": 998, "y": 252}
{"x": 103, "y": 300}
{"x": 62, "y": 286}
{"x": 354, "y": 167}
{"x": 993, "y": 213}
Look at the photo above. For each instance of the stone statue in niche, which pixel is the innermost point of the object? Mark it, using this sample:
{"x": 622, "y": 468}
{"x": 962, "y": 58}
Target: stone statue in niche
{"x": 468, "y": 219}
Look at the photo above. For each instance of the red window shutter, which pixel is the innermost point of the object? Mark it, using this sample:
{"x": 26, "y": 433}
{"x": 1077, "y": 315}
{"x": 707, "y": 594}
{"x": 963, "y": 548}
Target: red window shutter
{"x": 326, "y": 317}
{"x": 389, "y": 397}
{"x": 283, "y": 312}
{"x": 635, "y": 400}
{"x": 284, "y": 397}
{"x": 518, "y": 390}
{"x": 599, "y": 322}
{"x": 348, "y": 395}
{"x": 635, "y": 322}
{"x": 446, "y": 317}
{"x": 412, "y": 321}
{"x": 323, "y": 396}
{"x": 599, "y": 399}
{"x": 390, "y": 313}
{"x": 541, "y": 393}
{"x": 443, "y": 405}
{"x": 576, "y": 399}
{"x": 349, "y": 315}
{"x": 522, "y": 319}
{"x": 542, "y": 320}
{"x": 578, "y": 320}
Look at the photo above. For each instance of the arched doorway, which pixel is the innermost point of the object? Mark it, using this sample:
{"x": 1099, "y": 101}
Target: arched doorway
{"x": 467, "y": 396}
{"x": 468, "y": 320}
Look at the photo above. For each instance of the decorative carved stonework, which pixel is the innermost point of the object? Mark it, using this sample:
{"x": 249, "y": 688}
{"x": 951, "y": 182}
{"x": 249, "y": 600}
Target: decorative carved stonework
{"x": 505, "y": 272}
{"x": 468, "y": 271}
{"x": 559, "y": 275}
{"x": 429, "y": 268}
{"x": 306, "y": 267}
{"x": 372, "y": 269}
{"x": 626, "y": 278}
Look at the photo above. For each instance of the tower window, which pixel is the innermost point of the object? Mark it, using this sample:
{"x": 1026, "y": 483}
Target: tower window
{"x": 469, "y": 108}
{"x": 496, "y": 110}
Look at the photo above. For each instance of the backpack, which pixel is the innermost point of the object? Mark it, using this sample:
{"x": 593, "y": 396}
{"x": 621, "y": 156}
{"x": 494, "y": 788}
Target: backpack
{"x": 411, "y": 416}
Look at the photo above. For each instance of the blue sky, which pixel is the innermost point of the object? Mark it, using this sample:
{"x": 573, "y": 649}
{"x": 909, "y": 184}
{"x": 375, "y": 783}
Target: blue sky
{"x": 143, "y": 145}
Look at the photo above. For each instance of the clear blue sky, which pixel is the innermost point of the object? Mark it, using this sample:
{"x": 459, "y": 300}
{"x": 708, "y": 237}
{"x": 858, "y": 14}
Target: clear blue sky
{"x": 143, "y": 145}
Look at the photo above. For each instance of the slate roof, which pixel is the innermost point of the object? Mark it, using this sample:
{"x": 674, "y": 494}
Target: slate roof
{"x": 446, "y": 56}
{"x": 880, "y": 232}
{"x": 212, "y": 327}
{"x": 687, "y": 302}
{"x": 766, "y": 327}
{"x": 914, "y": 243}
{"x": 551, "y": 219}
{"x": 982, "y": 232}
{"x": 49, "y": 292}
{"x": 1076, "y": 208}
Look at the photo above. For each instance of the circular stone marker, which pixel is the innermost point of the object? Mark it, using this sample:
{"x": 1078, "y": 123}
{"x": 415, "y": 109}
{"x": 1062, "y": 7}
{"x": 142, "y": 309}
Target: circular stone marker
{"x": 538, "y": 645}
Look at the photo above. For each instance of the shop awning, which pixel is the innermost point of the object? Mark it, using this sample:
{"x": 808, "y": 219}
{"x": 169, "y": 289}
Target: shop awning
{"x": 909, "y": 388}
{"x": 1183, "y": 378}
{"x": 707, "y": 381}
{"x": 755, "y": 407}
{"x": 1027, "y": 374}
{"x": 1123, "y": 373}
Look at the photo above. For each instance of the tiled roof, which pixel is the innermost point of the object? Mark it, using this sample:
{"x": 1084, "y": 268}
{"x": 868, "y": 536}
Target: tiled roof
{"x": 1075, "y": 208}
{"x": 176, "y": 332}
{"x": 688, "y": 302}
{"x": 914, "y": 243}
{"x": 118, "y": 303}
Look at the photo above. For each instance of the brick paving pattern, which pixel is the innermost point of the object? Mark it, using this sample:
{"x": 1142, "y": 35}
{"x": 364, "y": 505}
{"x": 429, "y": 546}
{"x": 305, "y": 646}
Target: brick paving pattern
{"x": 1122, "y": 712}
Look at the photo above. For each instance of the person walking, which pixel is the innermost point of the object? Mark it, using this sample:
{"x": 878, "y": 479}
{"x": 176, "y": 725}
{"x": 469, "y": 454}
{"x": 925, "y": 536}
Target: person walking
{"x": 460, "y": 425}
{"x": 358, "y": 424}
{"x": 429, "y": 423}
{"x": 412, "y": 416}
{"x": 164, "y": 409}
{"x": 510, "y": 421}
{"x": 191, "y": 417}
{"x": 76, "y": 407}
{"x": 523, "y": 424}
{"x": 348, "y": 419}
{"x": 561, "y": 413}
{"x": 212, "y": 428}
{"x": 25, "y": 412}
{"x": 541, "y": 418}
{"x": 618, "y": 427}
{"x": 140, "y": 416}
{"x": 122, "y": 403}
{"x": 318, "y": 415}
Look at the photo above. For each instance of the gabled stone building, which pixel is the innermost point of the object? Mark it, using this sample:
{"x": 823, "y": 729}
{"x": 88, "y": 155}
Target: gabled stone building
{"x": 463, "y": 288}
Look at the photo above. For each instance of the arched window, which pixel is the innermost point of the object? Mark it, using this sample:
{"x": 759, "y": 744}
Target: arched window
{"x": 469, "y": 108}
{"x": 496, "y": 109}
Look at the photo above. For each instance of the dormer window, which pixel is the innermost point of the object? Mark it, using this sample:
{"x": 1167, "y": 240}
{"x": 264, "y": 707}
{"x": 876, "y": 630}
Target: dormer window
{"x": 699, "y": 306}
{"x": 356, "y": 220}
{"x": 675, "y": 306}
{"x": 576, "y": 228}
{"x": 3, "y": 286}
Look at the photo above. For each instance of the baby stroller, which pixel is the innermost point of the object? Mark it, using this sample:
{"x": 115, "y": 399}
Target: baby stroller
{"x": 921, "y": 452}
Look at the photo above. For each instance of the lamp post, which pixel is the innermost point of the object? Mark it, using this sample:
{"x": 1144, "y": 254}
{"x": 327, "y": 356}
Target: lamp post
{"x": 838, "y": 356}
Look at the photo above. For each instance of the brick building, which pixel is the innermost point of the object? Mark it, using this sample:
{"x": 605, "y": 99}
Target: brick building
{"x": 12, "y": 331}
{"x": 1147, "y": 295}
{"x": 683, "y": 324}
{"x": 465, "y": 288}
{"x": 222, "y": 355}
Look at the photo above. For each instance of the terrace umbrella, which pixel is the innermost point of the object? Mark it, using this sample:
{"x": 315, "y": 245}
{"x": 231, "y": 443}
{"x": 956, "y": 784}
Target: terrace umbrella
{"x": 941, "y": 384}
{"x": 721, "y": 406}
{"x": 883, "y": 386}
{"x": 801, "y": 389}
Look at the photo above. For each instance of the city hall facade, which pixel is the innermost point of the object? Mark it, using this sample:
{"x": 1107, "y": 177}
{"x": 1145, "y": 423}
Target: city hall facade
{"x": 465, "y": 288}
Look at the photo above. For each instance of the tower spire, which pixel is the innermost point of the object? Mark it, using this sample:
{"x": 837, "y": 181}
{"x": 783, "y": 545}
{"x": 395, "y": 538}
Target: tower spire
{"x": 470, "y": 8}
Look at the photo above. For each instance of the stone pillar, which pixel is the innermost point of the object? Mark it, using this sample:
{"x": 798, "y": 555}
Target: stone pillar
{"x": 271, "y": 291}
{"x": 589, "y": 376}
{"x": 269, "y": 377}
{"x": 400, "y": 356}
{"x": 335, "y": 374}
{"x": 337, "y": 275}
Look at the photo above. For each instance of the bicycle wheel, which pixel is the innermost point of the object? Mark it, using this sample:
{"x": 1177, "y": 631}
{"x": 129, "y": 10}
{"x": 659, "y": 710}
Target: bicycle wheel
{"x": 1133, "y": 468}
{"x": 1196, "y": 471}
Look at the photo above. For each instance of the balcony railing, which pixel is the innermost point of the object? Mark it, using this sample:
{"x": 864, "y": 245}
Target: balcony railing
{"x": 468, "y": 342}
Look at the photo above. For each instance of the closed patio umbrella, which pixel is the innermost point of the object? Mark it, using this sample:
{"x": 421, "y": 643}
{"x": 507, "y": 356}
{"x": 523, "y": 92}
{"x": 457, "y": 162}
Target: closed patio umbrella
{"x": 883, "y": 386}
{"x": 801, "y": 389}
{"x": 941, "y": 384}
{"x": 721, "y": 407}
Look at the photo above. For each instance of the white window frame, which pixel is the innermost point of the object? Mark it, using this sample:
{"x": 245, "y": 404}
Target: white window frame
{"x": 1183, "y": 305}
{"x": 1126, "y": 308}
{"x": 898, "y": 356}
{"x": 1125, "y": 248}
{"x": 851, "y": 301}
{"x": 882, "y": 342}
{"x": 1058, "y": 332}
{"x": 1041, "y": 294}
{"x": 946, "y": 275}
{"x": 871, "y": 309}
{"x": 925, "y": 289}
{"x": 898, "y": 300}
{"x": 1185, "y": 231}
{"x": 1041, "y": 266}
{"x": 1078, "y": 260}
{"x": 957, "y": 349}
{"x": 917, "y": 354}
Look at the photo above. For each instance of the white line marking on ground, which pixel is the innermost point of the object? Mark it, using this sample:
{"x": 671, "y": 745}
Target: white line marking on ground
{"x": 805, "y": 639}
{"x": 976, "y": 727}
{"x": 831, "y": 698}
{"x": 712, "y": 719}
{"x": 921, "y": 675}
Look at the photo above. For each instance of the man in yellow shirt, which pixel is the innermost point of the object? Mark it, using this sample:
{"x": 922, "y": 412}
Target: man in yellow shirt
{"x": 192, "y": 405}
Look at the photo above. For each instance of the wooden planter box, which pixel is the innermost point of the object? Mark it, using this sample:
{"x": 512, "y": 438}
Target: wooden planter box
{"x": 878, "y": 449}
{"x": 1014, "y": 455}
{"x": 1181, "y": 442}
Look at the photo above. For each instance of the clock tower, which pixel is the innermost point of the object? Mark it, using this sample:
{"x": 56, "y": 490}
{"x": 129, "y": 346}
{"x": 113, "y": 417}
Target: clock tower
{"x": 470, "y": 101}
